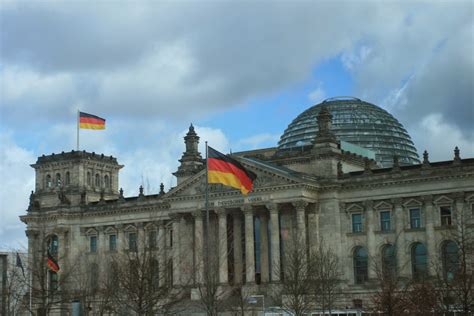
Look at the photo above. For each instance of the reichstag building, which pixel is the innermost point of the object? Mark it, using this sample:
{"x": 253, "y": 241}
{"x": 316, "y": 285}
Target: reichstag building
{"x": 345, "y": 172}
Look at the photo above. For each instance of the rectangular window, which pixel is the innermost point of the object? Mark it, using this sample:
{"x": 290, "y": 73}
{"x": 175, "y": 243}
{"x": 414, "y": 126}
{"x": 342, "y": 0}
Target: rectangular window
{"x": 152, "y": 239}
{"x": 53, "y": 281}
{"x": 385, "y": 221}
{"x": 112, "y": 242}
{"x": 170, "y": 239}
{"x": 132, "y": 241}
{"x": 93, "y": 243}
{"x": 445, "y": 215}
{"x": 415, "y": 218}
{"x": 356, "y": 223}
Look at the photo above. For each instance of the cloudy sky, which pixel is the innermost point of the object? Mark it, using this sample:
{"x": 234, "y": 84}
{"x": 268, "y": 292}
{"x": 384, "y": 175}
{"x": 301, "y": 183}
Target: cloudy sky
{"x": 240, "y": 71}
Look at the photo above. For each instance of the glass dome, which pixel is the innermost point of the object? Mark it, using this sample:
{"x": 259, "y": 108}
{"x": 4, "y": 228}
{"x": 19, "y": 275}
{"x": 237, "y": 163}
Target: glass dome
{"x": 357, "y": 122}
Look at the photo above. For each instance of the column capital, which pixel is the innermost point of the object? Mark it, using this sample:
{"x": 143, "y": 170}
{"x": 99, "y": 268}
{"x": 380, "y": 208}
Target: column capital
{"x": 314, "y": 209}
{"x": 427, "y": 199}
{"x": 247, "y": 209}
{"x": 397, "y": 202}
{"x": 272, "y": 207}
{"x": 32, "y": 233}
{"x": 220, "y": 211}
{"x": 197, "y": 214}
{"x": 300, "y": 205}
{"x": 369, "y": 204}
{"x": 174, "y": 216}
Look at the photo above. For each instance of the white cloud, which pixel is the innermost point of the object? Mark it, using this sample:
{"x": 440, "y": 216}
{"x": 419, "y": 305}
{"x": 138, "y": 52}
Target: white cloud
{"x": 317, "y": 95}
{"x": 257, "y": 141}
{"x": 17, "y": 182}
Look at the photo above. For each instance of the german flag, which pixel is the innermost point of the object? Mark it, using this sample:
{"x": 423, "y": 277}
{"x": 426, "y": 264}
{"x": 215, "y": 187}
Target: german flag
{"x": 228, "y": 171}
{"x": 52, "y": 263}
{"x": 89, "y": 121}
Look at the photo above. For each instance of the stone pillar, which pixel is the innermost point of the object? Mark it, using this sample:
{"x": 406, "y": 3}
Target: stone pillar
{"x": 222, "y": 246}
{"x": 176, "y": 249}
{"x": 430, "y": 214}
{"x": 198, "y": 247}
{"x": 313, "y": 232}
{"x": 249, "y": 244}
{"x": 275, "y": 240}
{"x": 264, "y": 264}
{"x": 162, "y": 252}
{"x": 238, "y": 265}
{"x": 300, "y": 207}
{"x": 403, "y": 261}
{"x": 371, "y": 246}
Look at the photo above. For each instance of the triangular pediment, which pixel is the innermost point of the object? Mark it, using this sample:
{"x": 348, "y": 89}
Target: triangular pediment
{"x": 443, "y": 200}
{"x": 268, "y": 176}
{"x": 383, "y": 206}
{"x": 412, "y": 203}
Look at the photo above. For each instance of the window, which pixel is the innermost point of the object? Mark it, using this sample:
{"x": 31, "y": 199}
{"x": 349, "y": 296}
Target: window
{"x": 68, "y": 178}
{"x": 97, "y": 180}
{"x": 415, "y": 218}
{"x": 360, "y": 265}
{"x": 132, "y": 241}
{"x": 419, "y": 261}
{"x": 450, "y": 256}
{"x": 170, "y": 239}
{"x": 89, "y": 178}
{"x": 94, "y": 276}
{"x": 112, "y": 242}
{"x": 106, "y": 181}
{"x": 53, "y": 244}
{"x": 155, "y": 274}
{"x": 385, "y": 221}
{"x": 93, "y": 243}
{"x": 58, "y": 180}
{"x": 356, "y": 223}
{"x": 445, "y": 215}
{"x": 389, "y": 262}
{"x": 48, "y": 181}
{"x": 53, "y": 281}
{"x": 152, "y": 239}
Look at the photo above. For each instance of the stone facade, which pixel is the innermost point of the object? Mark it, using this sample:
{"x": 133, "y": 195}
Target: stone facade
{"x": 318, "y": 193}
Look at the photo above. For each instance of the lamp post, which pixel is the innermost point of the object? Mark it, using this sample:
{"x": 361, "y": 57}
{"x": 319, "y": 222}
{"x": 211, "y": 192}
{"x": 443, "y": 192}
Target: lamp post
{"x": 263, "y": 301}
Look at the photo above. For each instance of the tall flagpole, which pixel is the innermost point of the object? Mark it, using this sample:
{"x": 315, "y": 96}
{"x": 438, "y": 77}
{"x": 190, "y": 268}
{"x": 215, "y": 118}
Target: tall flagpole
{"x": 78, "y": 123}
{"x": 207, "y": 216}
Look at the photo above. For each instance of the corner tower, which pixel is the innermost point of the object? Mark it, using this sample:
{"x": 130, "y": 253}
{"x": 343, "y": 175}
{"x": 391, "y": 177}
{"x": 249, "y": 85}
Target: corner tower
{"x": 191, "y": 161}
{"x": 73, "y": 178}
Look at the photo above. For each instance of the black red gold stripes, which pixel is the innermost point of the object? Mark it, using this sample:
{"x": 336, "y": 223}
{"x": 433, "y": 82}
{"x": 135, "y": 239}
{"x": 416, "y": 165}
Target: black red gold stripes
{"x": 228, "y": 171}
{"x": 89, "y": 121}
{"x": 52, "y": 263}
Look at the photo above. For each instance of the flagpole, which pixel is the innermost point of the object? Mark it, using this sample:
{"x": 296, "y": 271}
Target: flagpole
{"x": 207, "y": 217}
{"x": 78, "y": 120}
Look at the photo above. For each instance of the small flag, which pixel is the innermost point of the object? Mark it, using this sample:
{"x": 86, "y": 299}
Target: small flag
{"x": 19, "y": 264}
{"x": 89, "y": 121}
{"x": 52, "y": 263}
{"x": 228, "y": 171}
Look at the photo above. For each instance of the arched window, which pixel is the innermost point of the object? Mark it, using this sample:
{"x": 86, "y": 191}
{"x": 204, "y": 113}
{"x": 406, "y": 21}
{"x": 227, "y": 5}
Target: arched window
{"x": 97, "y": 180}
{"x": 360, "y": 265}
{"x": 450, "y": 255}
{"x": 419, "y": 261}
{"x": 68, "y": 178}
{"x": 48, "y": 181}
{"x": 389, "y": 260}
{"x": 53, "y": 244}
{"x": 58, "y": 179}
{"x": 89, "y": 178}
{"x": 106, "y": 181}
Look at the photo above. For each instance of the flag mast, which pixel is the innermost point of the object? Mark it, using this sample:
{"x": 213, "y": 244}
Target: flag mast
{"x": 207, "y": 216}
{"x": 78, "y": 124}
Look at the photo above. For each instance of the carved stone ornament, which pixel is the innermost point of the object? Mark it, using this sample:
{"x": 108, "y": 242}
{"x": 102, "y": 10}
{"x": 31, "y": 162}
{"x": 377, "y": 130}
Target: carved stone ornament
{"x": 300, "y": 205}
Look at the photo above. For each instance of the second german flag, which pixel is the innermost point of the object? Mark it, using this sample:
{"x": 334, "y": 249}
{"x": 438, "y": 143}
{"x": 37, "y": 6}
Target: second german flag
{"x": 228, "y": 171}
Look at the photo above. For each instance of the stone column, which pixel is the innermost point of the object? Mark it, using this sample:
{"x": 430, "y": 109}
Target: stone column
{"x": 198, "y": 247}
{"x": 430, "y": 214}
{"x": 264, "y": 264}
{"x": 176, "y": 249}
{"x": 313, "y": 232}
{"x": 238, "y": 265}
{"x": 300, "y": 207}
{"x": 162, "y": 252}
{"x": 401, "y": 255}
{"x": 249, "y": 244}
{"x": 222, "y": 246}
{"x": 371, "y": 246}
{"x": 275, "y": 240}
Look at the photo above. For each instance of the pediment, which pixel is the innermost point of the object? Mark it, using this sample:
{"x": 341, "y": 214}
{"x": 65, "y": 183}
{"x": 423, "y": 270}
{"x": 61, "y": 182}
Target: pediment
{"x": 267, "y": 177}
{"x": 354, "y": 208}
{"x": 412, "y": 203}
{"x": 110, "y": 230}
{"x": 443, "y": 200}
{"x": 91, "y": 232}
{"x": 383, "y": 206}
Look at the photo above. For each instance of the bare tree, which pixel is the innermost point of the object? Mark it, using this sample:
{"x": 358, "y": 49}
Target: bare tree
{"x": 14, "y": 281}
{"x": 326, "y": 275}
{"x": 294, "y": 292}
{"x": 421, "y": 299}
